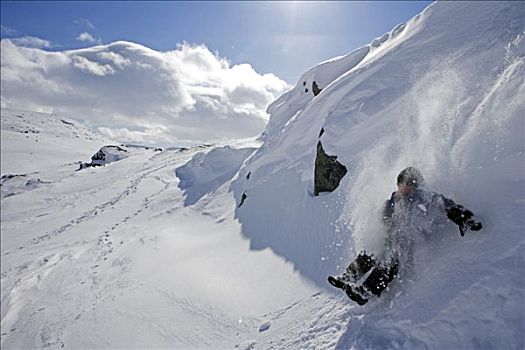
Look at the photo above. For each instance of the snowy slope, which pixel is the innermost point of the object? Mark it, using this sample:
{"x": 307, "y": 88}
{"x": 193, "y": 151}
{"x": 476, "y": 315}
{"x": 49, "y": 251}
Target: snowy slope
{"x": 36, "y": 141}
{"x": 111, "y": 257}
{"x": 155, "y": 251}
{"x": 206, "y": 172}
{"x": 444, "y": 93}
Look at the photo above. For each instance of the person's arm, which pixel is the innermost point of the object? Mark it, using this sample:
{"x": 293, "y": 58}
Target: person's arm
{"x": 458, "y": 214}
{"x": 388, "y": 212}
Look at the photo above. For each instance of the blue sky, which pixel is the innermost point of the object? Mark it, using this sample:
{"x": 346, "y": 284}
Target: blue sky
{"x": 284, "y": 38}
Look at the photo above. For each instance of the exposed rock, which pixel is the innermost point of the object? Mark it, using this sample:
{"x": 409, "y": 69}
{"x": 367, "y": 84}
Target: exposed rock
{"x": 243, "y": 198}
{"x": 328, "y": 171}
{"x": 141, "y": 147}
{"x": 11, "y": 176}
{"x": 265, "y": 326}
{"x": 87, "y": 165}
{"x": 105, "y": 155}
{"x": 315, "y": 88}
{"x": 66, "y": 122}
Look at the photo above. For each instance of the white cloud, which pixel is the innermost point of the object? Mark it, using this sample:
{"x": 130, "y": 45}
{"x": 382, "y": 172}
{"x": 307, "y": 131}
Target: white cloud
{"x": 114, "y": 58}
{"x": 136, "y": 94}
{"x": 5, "y": 30}
{"x": 86, "y": 37}
{"x": 95, "y": 68}
{"x": 84, "y": 22}
{"x": 31, "y": 41}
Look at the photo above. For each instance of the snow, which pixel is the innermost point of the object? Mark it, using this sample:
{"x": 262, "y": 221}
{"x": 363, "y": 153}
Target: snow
{"x": 112, "y": 256}
{"x": 446, "y": 94}
{"x": 154, "y": 251}
{"x": 207, "y": 171}
{"x": 34, "y": 142}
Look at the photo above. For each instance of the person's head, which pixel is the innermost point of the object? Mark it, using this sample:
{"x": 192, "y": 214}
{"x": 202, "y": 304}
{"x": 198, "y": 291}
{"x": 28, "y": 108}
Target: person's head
{"x": 408, "y": 180}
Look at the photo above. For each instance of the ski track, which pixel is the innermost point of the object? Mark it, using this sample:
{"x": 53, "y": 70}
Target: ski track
{"x": 22, "y": 279}
{"x": 100, "y": 208}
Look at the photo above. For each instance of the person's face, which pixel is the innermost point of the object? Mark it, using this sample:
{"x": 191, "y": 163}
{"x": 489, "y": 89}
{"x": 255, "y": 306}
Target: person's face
{"x": 404, "y": 189}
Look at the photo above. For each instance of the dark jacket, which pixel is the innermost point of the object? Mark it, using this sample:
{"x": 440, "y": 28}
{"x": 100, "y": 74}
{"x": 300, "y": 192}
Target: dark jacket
{"x": 421, "y": 203}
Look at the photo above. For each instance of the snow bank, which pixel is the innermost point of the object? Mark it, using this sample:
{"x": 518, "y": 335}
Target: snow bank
{"x": 445, "y": 93}
{"x": 205, "y": 172}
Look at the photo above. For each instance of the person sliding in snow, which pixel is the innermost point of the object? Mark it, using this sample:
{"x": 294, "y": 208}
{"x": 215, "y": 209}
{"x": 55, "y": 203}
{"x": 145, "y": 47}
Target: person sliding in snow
{"x": 405, "y": 213}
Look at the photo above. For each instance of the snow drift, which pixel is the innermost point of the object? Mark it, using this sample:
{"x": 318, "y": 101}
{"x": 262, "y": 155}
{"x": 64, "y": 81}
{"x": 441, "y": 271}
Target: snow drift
{"x": 207, "y": 171}
{"x": 444, "y": 92}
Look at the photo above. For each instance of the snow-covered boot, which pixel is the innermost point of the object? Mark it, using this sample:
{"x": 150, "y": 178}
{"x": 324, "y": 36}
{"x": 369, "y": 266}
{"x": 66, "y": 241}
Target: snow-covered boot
{"x": 359, "y": 294}
{"x": 359, "y": 267}
{"x": 380, "y": 277}
{"x": 336, "y": 282}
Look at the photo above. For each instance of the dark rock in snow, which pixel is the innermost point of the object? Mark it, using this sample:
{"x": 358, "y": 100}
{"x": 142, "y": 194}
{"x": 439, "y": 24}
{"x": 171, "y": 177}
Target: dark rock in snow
{"x": 316, "y": 90}
{"x": 12, "y": 176}
{"x": 66, "y": 122}
{"x": 328, "y": 171}
{"x": 243, "y": 198}
{"x": 105, "y": 155}
{"x": 265, "y": 326}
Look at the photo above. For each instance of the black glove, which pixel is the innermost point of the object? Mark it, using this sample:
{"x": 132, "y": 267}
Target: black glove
{"x": 464, "y": 218}
{"x": 470, "y": 224}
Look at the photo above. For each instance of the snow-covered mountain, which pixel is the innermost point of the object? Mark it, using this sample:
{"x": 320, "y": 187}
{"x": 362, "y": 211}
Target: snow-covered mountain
{"x": 228, "y": 246}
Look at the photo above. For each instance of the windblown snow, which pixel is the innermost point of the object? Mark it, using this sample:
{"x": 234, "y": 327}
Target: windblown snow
{"x": 226, "y": 246}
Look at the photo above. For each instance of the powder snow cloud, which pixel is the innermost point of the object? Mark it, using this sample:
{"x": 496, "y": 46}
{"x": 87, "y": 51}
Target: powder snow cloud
{"x": 136, "y": 94}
